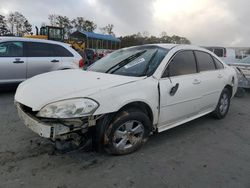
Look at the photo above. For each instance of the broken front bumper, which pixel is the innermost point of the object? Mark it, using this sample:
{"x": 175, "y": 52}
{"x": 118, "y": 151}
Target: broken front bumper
{"x": 50, "y": 130}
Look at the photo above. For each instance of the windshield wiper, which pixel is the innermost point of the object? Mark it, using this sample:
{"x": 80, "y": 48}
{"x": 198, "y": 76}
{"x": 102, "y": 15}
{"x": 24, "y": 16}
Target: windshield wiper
{"x": 125, "y": 61}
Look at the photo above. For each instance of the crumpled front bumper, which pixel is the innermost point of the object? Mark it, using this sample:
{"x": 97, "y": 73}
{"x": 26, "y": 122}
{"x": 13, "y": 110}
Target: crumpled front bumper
{"x": 44, "y": 129}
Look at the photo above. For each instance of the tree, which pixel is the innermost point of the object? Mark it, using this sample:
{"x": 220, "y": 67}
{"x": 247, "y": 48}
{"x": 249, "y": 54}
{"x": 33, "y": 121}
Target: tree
{"x": 80, "y": 23}
{"x": 27, "y": 27}
{"x": 108, "y": 29}
{"x": 3, "y": 26}
{"x": 164, "y": 38}
{"x": 139, "y": 39}
{"x": 52, "y": 19}
{"x": 19, "y": 25}
{"x": 179, "y": 40}
{"x": 11, "y": 21}
{"x": 64, "y": 22}
{"x": 89, "y": 26}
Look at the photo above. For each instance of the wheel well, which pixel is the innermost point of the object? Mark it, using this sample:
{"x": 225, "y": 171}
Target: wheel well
{"x": 141, "y": 106}
{"x": 230, "y": 88}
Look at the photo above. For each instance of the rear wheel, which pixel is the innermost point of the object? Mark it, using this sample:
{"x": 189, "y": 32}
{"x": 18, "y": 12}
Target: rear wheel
{"x": 223, "y": 104}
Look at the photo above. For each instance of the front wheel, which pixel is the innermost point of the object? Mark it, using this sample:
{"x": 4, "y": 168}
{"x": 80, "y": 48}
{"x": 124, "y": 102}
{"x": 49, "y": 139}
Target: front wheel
{"x": 223, "y": 105}
{"x": 128, "y": 132}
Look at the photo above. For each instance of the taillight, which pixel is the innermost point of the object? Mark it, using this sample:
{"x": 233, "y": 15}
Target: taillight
{"x": 81, "y": 63}
{"x": 225, "y": 54}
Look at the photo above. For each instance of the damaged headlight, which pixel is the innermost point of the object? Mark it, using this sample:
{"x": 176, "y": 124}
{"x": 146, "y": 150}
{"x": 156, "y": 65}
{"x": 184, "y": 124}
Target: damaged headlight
{"x": 72, "y": 108}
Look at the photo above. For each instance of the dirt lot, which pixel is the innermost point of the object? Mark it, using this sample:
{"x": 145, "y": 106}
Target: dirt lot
{"x": 203, "y": 153}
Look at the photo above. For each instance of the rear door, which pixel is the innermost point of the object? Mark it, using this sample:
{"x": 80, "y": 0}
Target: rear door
{"x": 12, "y": 62}
{"x": 68, "y": 60}
{"x": 41, "y": 58}
{"x": 212, "y": 81}
{"x": 180, "y": 90}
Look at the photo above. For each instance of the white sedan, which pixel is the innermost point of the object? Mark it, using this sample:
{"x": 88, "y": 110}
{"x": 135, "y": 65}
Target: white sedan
{"x": 127, "y": 95}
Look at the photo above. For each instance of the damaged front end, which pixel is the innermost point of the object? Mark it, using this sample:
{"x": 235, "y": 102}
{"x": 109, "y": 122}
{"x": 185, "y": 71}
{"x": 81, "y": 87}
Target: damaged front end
{"x": 67, "y": 134}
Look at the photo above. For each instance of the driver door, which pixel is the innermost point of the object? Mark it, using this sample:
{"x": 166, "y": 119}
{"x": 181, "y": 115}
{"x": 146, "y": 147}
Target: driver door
{"x": 12, "y": 62}
{"x": 180, "y": 90}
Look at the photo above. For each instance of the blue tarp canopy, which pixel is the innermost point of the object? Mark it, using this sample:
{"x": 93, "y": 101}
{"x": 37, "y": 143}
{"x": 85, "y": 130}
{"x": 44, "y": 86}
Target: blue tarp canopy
{"x": 97, "y": 36}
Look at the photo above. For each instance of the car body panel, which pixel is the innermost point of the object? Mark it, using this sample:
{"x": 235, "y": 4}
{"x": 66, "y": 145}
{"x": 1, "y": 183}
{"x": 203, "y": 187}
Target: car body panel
{"x": 112, "y": 92}
{"x": 11, "y": 72}
{"x": 185, "y": 102}
{"x": 60, "y": 85}
{"x": 244, "y": 67}
{"x": 39, "y": 65}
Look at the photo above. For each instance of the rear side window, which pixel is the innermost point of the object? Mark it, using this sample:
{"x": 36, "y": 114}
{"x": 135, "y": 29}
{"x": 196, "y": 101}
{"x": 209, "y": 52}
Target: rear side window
{"x": 11, "y": 49}
{"x": 218, "y": 64}
{"x": 205, "y": 61}
{"x": 60, "y": 51}
{"x": 183, "y": 63}
{"x": 37, "y": 49}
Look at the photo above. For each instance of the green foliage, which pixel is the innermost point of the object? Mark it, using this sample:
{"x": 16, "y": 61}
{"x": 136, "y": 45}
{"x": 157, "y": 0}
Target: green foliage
{"x": 140, "y": 39}
{"x": 3, "y": 26}
{"x": 108, "y": 29}
{"x": 80, "y": 23}
{"x": 18, "y": 24}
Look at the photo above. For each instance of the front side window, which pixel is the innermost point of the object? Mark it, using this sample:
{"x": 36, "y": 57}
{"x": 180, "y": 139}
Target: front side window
{"x": 183, "y": 63}
{"x": 11, "y": 49}
{"x": 205, "y": 61}
{"x": 135, "y": 61}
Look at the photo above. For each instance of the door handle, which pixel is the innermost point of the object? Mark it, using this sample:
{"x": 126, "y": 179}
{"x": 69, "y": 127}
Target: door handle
{"x": 220, "y": 76}
{"x": 174, "y": 89}
{"x": 196, "y": 81}
{"x": 54, "y": 61}
{"x": 18, "y": 61}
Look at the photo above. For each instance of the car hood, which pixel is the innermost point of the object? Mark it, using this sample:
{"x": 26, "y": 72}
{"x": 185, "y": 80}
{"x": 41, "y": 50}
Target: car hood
{"x": 46, "y": 88}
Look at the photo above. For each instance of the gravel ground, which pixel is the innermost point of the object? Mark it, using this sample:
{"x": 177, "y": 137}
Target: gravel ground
{"x": 203, "y": 153}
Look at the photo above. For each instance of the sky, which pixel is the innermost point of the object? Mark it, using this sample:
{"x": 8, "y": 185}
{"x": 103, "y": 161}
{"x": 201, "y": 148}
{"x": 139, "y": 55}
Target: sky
{"x": 203, "y": 22}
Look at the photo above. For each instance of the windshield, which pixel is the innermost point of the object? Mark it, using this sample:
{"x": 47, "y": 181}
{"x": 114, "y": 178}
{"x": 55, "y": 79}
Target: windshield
{"x": 135, "y": 61}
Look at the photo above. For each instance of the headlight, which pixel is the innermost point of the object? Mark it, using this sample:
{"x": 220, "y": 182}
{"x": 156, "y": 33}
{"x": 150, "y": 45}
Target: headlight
{"x": 72, "y": 108}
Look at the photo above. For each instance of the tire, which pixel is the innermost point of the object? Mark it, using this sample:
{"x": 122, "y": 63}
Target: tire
{"x": 223, "y": 104}
{"x": 126, "y": 133}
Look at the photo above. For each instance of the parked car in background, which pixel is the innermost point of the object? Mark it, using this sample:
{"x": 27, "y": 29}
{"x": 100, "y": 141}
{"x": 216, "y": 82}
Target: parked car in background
{"x": 126, "y": 95}
{"x": 227, "y": 55}
{"x": 22, "y": 58}
{"x": 244, "y": 65}
{"x": 243, "y": 69}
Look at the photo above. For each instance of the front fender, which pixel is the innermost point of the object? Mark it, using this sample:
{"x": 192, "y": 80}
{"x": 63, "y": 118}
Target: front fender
{"x": 113, "y": 99}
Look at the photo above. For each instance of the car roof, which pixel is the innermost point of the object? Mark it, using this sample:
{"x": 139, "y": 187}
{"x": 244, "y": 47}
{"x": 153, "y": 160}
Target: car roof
{"x": 23, "y": 39}
{"x": 170, "y": 46}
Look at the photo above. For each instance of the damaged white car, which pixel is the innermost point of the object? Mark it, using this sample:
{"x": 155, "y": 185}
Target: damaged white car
{"x": 127, "y": 95}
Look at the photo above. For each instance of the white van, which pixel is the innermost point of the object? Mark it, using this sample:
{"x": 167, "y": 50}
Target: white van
{"x": 228, "y": 55}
